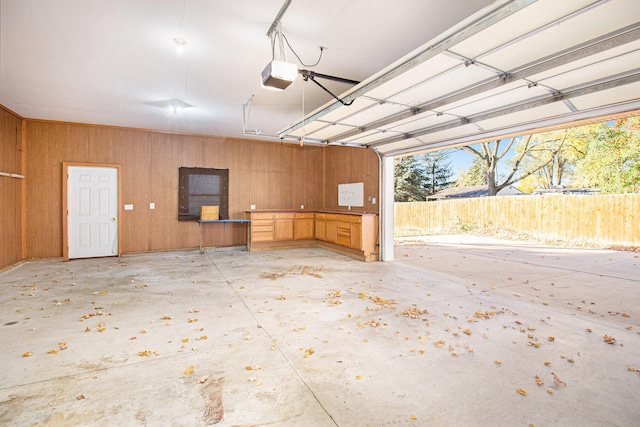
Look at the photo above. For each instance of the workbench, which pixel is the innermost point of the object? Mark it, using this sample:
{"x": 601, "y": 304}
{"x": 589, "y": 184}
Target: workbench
{"x": 224, "y": 221}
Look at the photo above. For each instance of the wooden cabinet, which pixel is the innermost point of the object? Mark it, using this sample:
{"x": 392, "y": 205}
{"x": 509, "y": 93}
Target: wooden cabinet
{"x": 261, "y": 227}
{"x": 344, "y": 230}
{"x": 331, "y": 228}
{"x": 283, "y": 226}
{"x": 353, "y": 234}
{"x": 356, "y": 233}
{"x": 321, "y": 226}
{"x": 304, "y": 226}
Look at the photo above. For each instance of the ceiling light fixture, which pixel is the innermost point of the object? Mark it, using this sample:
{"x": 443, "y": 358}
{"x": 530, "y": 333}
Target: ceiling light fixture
{"x": 176, "y": 106}
{"x": 180, "y": 42}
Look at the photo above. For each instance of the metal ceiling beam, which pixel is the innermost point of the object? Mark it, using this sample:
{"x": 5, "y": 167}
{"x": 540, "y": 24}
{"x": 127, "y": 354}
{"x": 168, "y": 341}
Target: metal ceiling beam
{"x": 592, "y": 47}
{"x": 593, "y": 87}
{"x": 467, "y": 28}
{"x": 624, "y": 109}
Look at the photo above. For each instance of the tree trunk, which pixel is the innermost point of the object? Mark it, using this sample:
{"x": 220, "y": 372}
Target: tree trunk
{"x": 491, "y": 181}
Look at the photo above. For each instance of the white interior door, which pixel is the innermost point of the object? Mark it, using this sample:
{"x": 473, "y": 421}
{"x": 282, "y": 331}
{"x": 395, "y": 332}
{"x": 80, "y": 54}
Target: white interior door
{"x": 92, "y": 211}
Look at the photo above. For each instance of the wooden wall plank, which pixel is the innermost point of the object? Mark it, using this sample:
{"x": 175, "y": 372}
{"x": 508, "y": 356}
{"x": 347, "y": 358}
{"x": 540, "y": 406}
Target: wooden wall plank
{"x": 11, "y": 189}
{"x": 347, "y": 165}
{"x": 48, "y": 145}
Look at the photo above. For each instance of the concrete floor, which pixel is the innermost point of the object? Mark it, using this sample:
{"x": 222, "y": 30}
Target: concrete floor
{"x": 445, "y": 335}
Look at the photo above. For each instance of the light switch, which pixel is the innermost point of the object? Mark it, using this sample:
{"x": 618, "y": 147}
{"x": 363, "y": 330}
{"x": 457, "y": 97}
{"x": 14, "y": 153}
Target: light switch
{"x": 301, "y": 206}
{"x": 373, "y": 200}
{"x": 152, "y": 205}
{"x": 128, "y": 207}
{"x": 253, "y": 206}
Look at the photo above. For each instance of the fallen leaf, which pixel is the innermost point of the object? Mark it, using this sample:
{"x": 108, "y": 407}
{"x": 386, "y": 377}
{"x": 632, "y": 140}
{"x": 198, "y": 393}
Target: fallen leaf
{"x": 27, "y": 354}
{"x": 558, "y": 380}
{"x": 189, "y": 370}
{"x": 80, "y": 397}
{"x": 522, "y": 391}
{"x": 609, "y": 339}
{"x": 202, "y": 379}
{"x": 62, "y": 346}
{"x": 308, "y": 352}
{"x": 497, "y": 362}
{"x": 53, "y": 351}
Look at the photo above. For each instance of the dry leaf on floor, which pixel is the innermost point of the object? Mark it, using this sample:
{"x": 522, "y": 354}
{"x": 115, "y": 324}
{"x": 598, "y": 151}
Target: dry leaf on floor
{"x": 609, "y": 339}
{"x": 189, "y": 370}
{"x": 62, "y": 346}
{"x": 558, "y": 380}
{"x": 522, "y": 391}
{"x": 80, "y": 397}
{"x": 27, "y": 354}
{"x": 202, "y": 379}
{"x": 308, "y": 352}
{"x": 53, "y": 351}
{"x": 497, "y": 362}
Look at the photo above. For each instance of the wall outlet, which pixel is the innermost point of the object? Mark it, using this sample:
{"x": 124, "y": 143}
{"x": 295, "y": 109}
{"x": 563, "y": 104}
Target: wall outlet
{"x": 128, "y": 207}
{"x": 152, "y": 205}
{"x": 253, "y": 206}
{"x": 373, "y": 200}
{"x": 301, "y": 206}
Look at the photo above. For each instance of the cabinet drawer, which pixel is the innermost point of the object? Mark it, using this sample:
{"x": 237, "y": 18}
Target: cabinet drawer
{"x": 344, "y": 218}
{"x": 344, "y": 240}
{"x": 285, "y": 215}
{"x": 306, "y": 215}
{"x": 258, "y": 223}
{"x": 320, "y": 216}
{"x": 356, "y": 219}
{"x": 258, "y": 216}
{"x": 330, "y": 217}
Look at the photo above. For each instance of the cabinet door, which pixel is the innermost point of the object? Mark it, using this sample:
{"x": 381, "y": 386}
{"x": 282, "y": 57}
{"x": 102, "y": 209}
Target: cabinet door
{"x": 283, "y": 228}
{"x": 321, "y": 233}
{"x": 331, "y": 230}
{"x": 304, "y": 228}
{"x": 356, "y": 236}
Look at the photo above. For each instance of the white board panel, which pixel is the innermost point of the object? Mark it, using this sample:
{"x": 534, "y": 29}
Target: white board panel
{"x": 351, "y": 194}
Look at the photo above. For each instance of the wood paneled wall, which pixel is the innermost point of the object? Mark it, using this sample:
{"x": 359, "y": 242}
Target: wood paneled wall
{"x": 268, "y": 175}
{"x": 346, "y": 165}
{"x": 11, "y": 189}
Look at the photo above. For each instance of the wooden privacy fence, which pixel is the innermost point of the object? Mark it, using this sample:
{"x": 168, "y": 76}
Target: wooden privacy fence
{"x": 602, "y": 219}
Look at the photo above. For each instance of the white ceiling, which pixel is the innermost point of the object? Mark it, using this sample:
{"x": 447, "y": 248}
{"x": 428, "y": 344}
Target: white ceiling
{"x": 512, "y": 68}
{"x": 113, "y": 62}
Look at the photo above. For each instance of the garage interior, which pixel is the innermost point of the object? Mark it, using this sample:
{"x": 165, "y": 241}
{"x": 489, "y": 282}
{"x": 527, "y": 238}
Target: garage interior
{"x": 441, "y": 333}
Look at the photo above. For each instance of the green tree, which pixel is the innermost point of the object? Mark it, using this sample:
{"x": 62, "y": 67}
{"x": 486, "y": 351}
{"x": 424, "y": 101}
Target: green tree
{"x": 409, "y": 180}
{"x": 572, "y": 144}
{"x": 612, "y": 160}
{"x": 475, "y": 175}
{"x": 437, "y": 170}
{"x": 490, "y": 153}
